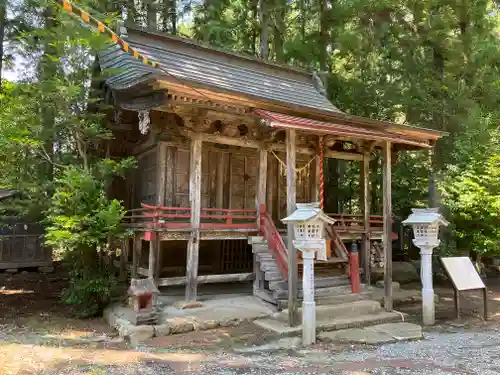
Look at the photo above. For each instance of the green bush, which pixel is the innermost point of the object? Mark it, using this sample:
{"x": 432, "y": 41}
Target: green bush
{"x": 80, "y": 221}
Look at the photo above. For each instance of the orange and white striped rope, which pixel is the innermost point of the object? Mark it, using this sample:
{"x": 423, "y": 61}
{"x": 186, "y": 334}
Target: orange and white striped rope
{"x": 103, "y": 29}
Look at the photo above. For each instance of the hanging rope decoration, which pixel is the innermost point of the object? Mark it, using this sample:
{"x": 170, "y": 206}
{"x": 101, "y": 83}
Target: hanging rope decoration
{"x": 299, "y": 171}
{"x": 102, "y": 28}
{"x": 321, "y": 175}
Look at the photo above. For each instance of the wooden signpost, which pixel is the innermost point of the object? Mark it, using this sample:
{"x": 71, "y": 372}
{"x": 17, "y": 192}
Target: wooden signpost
{"x": 464, "y": 276}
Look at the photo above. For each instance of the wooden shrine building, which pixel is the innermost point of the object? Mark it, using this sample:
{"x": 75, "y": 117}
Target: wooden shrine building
{"x": 226, "y": 145}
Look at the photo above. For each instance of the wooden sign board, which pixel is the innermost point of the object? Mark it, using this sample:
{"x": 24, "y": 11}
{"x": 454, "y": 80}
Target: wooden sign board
{"x": 463, "y": 273}
{"x": 464, "y": 276}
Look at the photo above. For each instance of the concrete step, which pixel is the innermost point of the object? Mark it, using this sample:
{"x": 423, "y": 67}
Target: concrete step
{"x": 330, "y": 300}
{"x": 273, "y": 276}
{"x": 318, "y": 292}
{"x": 260, "y": 249}
{"x": 269, "y": 267}
{"x": 256, "y": 240}
{"x": 265, "y": 257}
{"x": 282, "y": 328}
{"x": 319, "y": 282}
{"x": 342, "y": 310}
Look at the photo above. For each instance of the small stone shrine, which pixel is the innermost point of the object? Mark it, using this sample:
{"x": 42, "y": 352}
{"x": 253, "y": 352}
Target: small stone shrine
{"x": 142, "y": 294}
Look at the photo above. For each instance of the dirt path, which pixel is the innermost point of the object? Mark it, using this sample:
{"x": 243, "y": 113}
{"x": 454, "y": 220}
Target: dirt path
{"x": 38, "y": 336}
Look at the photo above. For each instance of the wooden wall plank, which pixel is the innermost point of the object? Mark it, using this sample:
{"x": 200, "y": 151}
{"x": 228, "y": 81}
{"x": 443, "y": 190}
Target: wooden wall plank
{"x": 161, "y": 173}
{"x": 170, "y": 176}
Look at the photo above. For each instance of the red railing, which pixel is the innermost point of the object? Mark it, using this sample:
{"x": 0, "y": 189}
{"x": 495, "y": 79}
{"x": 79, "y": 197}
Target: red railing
{"x": 161, "y": 217}
{"x": 356, "y": 222}
{"x": 275, "y": 242}
{"x": 337, "y": 241}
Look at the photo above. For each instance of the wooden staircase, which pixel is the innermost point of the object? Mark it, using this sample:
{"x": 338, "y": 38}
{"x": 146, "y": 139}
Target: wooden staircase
{"x": 331, "y": 284}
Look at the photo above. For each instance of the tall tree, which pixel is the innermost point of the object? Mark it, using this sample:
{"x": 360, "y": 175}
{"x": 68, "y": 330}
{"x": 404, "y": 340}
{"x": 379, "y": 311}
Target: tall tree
{"x": 264, "y": 29}
{"x": 3, "y": 18}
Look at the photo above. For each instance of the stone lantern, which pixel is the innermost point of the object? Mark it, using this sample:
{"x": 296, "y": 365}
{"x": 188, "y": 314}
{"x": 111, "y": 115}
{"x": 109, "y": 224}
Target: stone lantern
{"x": 426, "y": 223}
{"x": 309, "y": 225}
{"x": 142, "y": 295}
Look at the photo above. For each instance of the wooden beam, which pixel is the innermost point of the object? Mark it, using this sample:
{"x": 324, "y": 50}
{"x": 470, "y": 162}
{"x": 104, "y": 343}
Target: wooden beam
{"x": 365, "y": 205}
{"x": 195, "y": 200}
{"x": 343, "y": 155}
{"x": 207, "y": 279}
{"x": 291, "y": 200}
{"x": 261, "y": 189}
{"x": 224, "y": 140}
{"x": 387, "y": 226}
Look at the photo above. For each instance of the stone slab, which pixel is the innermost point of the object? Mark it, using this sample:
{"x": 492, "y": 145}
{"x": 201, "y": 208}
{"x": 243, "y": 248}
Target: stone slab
{"x": 400, "y": 331}
{"x": 381, "y": 284}
{"x": 182, "y": 305}
{"x": 277, "y": 326}
{"x": 375, "y": 335}
{"x": 281, "y": 344}
{"x": 356, "y": 336}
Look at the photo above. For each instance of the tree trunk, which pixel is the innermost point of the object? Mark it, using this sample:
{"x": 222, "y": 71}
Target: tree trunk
{"x": 3, "y": 5}
{"x": 279, "y": 31}
{"x": 264, "y": 30}
{"x": 170, "y": 16}
{"x": 48, "y": 72}
{"x": 323, "y": 35}
{"x": 131, "y": 11}
{"x": 255, "y": 31}
{"x": 152, "y": 15}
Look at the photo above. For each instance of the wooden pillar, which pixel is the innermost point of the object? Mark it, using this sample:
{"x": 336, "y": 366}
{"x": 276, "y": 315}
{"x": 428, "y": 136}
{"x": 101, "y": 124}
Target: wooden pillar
{"x": 195, "y": 200}
{"x": 291, "y": 200}
{"x": 153, "y": 256}
{"x": 365, "y": 205}
{"x": 261, "y": 189}
{"x": 387, "y": 226}
{"x": 136, "y": 254}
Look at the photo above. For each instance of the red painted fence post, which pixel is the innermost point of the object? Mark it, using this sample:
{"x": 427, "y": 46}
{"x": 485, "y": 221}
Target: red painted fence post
{"x": 354, "y": 268}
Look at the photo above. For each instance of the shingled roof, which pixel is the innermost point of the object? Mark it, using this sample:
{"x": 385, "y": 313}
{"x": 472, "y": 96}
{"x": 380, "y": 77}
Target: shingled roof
{"x": 194, "y": 64}
{"x": 282, "y": 96}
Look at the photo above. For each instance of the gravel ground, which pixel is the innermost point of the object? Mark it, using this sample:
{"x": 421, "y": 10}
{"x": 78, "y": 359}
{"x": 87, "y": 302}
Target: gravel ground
{"x": 38, "y": 338}
{"x": 455, "y": 351}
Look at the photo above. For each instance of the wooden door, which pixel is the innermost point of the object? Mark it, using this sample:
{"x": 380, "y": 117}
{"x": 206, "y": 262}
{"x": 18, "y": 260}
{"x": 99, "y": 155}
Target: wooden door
{"x": 244, "y": 169}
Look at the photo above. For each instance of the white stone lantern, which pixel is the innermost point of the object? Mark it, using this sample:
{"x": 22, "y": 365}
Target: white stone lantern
{"x": 426, "y": 223}
{"x": 309, "y": 227}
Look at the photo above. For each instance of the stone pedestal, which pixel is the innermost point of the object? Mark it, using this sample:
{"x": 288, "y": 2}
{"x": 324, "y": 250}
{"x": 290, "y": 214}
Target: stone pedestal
{"x": 428, "y": 309}
{"x": 308, "y": 304}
